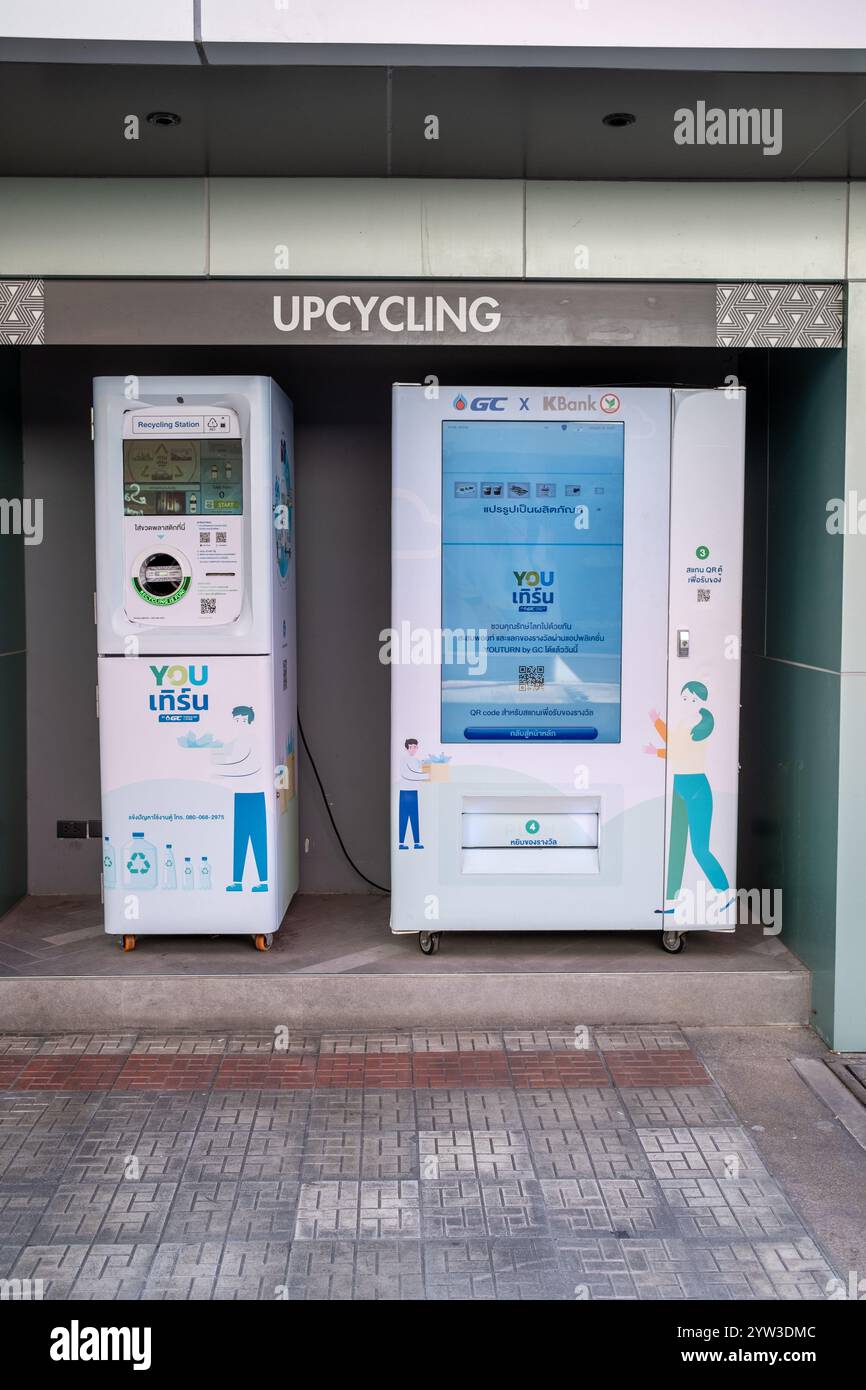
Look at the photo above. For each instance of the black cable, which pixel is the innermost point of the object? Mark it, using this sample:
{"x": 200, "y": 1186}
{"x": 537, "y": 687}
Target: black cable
{"x": 349, "y": 858}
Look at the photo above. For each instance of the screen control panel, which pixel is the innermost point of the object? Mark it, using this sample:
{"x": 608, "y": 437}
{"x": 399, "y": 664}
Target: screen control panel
{"x": 183, "y": 516}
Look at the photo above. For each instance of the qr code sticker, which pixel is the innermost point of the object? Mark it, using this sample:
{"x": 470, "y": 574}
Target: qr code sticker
{"x": 703, "y": 595}
{"x": 204, "y": 537}
{"x": 220, "y": 537}
{"x": 530, "y": 677}
{"x": 208, "y": 607}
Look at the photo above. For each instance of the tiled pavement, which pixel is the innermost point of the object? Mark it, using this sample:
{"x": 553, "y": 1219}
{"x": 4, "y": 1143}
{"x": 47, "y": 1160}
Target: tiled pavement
{"x": 484, "y": 1164}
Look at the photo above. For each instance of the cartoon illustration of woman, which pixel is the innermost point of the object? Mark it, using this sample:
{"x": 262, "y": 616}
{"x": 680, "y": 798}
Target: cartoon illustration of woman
{"x": 692, "y": 809}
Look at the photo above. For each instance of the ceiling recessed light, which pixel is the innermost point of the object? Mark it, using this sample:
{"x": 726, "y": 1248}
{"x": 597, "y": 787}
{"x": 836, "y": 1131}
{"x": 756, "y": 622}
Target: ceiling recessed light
{"x": 618, "y": 119}
{"x": 162, "y": 118}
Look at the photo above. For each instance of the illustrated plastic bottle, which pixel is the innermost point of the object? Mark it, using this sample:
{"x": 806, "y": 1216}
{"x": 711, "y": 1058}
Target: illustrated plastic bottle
{"x": 109, "y": 865}
{"x": 169, "y": 869}
{"x": 140, "y": 863}
{"x": 188, "y": 875}
{"x": 205, "y": 877}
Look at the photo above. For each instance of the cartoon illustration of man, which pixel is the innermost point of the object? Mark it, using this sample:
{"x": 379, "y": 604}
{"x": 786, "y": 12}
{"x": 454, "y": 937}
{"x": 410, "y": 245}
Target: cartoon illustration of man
{"x": 239, "y": 759}
{"x": 684, "y": 745}
{"x": 411, "y": 773}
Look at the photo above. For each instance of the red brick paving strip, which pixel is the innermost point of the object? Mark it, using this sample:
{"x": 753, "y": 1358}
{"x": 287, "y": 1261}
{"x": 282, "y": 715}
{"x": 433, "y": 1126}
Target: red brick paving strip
{"x": 660, "y": 1067}
{"x": 65, "y": 1073}
{"x": 9, "y": 1069}
{"x": 541, "y": 1069}
{"x": 167, "y": 1072}
{"x": 460, "y": 1069}
{"x": 268, "y": 1073}
{"x": 374, "y": 1071}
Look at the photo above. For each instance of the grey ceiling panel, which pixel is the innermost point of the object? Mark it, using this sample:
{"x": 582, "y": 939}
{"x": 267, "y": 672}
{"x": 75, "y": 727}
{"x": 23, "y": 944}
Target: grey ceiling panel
{"x": 293, "y": 121}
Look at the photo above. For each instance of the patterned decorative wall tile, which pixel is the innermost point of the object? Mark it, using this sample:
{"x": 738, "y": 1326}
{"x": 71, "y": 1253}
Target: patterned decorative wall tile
{"x": 22, "y": 312}
{"x": 759, "y": 314}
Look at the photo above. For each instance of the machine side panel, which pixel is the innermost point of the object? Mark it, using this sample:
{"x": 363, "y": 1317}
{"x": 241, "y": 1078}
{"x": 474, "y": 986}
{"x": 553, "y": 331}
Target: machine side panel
{"x": 706, "y": 563}
{"x": 284, "y": 644}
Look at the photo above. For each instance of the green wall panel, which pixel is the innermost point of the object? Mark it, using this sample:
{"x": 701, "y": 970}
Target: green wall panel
{"x": 806, "y": 449}
{"x": 13, "y": 732}
{"x": 788, "y": 800}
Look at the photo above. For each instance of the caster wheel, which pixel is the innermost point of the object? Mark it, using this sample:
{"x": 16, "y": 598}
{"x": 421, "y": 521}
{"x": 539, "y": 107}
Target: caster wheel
{"x": 263, "y": 943}
{"x": 429, "y": 942}
{"x": 673, "y": 941}
{"x": 127, "y": 943}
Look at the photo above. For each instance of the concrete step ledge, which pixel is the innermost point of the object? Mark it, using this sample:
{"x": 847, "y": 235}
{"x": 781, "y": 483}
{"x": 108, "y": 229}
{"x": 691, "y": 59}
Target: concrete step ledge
{"x": 243, "y": 1002}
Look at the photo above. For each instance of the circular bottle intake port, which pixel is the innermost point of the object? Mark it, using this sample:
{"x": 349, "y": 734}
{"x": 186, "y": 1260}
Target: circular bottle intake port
{"x": 160, "y": 575}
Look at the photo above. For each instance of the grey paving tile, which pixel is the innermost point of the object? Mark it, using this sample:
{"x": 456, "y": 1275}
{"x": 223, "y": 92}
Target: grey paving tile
{"x": 182, "y": 1270}
{"x": 636, "y": 1206}
{"x": 322, "y": 1270}
{"x": 19, "y": 1044}
{"x": 451, "y": 1207}
{"x": 442, "y": 1152}
{"x": 458, "y": 1269}
{"x": 113, "y": 1272}
{"x": 574, "y": 1206}
{"x": 349, "y": 1043}
{"x": 38, "y": 1158}
{"x": 331, "y": 1156}
{"x": 749, "y": 1207}
{"x": 442, "y": 1110}
{"x": 497, "y": 1109}
{"x": 74, "y": 1214}
{"x": 502, "y": 1153}
{"x": 390, "y": 1155}
{"x": 645, "y": 1037}
{"x": 275, "y": 1154}
{"x": 326, "y": 1210}
{"x": 179, "y": 1045}
{"x": 137, "y": 1213}
{"x": 252, "y": 1269}
{"x": 514, "y": 1207}
{"x": 389, "y": 1270}
{"x": 389, "y": 1208}
{"x": 335, "y": 1111}
{"x": 560, "y": 1153}
{"x": 389, "y": 1111}
{"x": 658, "y": 1106}
{"x": 527, "y": 1269}
{"x": 617, "y": 1153}
{"x": 216, "y": 1155}
{"x": 265, "y": 1211}
{"x": 273, "y": 1043}
{"x": 200, "y": 1212}
{"x": 722, "y": 1152}
{"x": 56, "y": 1267}
{"x": 22, "y": 1206}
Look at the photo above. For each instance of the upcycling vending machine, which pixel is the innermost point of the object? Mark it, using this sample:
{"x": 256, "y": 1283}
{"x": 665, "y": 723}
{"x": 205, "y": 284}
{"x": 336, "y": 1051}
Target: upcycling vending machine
{"x": 195, "y": 609}
{"x": 565, "y": 653}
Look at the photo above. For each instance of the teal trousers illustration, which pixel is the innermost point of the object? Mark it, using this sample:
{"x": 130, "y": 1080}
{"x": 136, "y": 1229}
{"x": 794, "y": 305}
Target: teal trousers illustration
{"x": 691, "y": 819}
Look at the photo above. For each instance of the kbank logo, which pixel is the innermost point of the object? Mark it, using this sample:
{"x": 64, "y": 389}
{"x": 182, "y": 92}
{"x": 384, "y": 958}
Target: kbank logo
{"x": 175, "y": 698}
{"x": 534, "y": 592}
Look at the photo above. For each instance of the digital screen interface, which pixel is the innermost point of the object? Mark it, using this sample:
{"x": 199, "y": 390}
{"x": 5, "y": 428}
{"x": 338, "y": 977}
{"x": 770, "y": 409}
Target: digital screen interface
{"x": 183, "y": 477}
{"x": 532, "y": 551}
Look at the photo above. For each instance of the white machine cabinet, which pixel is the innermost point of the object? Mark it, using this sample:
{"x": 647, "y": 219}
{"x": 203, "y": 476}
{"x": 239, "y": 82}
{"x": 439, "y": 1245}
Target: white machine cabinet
{"x": 565, "y": 649}
{"x": 195, "y": 614}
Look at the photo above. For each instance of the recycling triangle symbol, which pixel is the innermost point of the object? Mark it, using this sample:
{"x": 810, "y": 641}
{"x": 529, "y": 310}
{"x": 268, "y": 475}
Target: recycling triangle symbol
{"x": 138, "y": 863}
